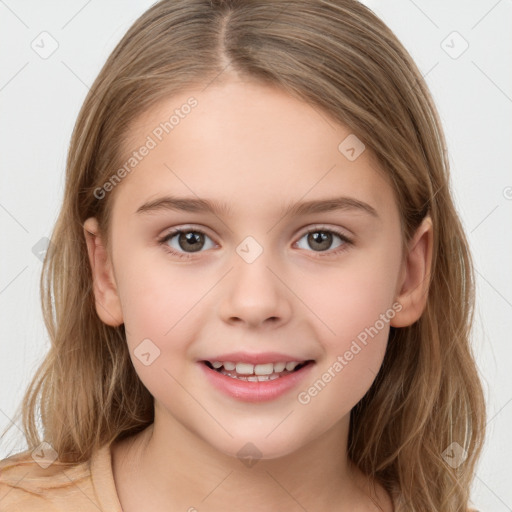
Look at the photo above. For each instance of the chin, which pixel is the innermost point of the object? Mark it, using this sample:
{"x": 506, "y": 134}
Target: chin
{"x": 251, "y": 449}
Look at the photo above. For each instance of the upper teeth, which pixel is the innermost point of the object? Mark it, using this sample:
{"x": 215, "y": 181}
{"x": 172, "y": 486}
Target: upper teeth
{"x": 258, "y": 369}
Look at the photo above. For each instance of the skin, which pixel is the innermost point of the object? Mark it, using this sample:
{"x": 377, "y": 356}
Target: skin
{"x": 258, "y": 149}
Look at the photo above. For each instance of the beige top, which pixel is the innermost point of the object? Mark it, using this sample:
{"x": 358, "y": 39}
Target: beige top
{"x": 29, "y": 486}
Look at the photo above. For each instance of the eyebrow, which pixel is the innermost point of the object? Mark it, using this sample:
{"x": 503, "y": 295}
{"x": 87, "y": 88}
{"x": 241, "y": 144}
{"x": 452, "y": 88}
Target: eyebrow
{"x": 190, "y": 204}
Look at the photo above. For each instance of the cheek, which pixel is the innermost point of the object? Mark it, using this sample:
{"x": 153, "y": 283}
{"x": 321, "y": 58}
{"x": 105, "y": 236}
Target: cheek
{"x": 159, "y": 303}
{"x": 352, "y": 358}
{"x": 353, "y": 295}
{"x": 160, "y": 309}
{"x": 156, "y": 292}
{"x": 354, "y": 305}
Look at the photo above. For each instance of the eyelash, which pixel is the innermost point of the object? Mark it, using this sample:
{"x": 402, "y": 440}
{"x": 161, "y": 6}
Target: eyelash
{"x": 321, "y": 229}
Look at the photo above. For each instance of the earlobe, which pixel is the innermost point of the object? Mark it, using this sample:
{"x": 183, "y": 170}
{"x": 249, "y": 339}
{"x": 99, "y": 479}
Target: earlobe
{"x": 108, "y": 305}
{"x": 415, "y": 276}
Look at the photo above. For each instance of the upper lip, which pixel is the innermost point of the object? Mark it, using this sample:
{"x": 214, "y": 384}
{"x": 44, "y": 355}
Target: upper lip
{"x": 259, "y": 358}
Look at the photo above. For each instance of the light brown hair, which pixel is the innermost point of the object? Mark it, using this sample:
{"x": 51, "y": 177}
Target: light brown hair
{"x": 338, "y": 56}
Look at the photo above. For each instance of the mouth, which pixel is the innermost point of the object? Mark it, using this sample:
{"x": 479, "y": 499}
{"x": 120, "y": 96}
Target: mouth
{"x": 256, "y": 372}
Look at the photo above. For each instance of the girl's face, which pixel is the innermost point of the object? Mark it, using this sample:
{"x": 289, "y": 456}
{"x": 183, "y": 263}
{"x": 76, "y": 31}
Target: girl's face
{"x": 248, "y": 278}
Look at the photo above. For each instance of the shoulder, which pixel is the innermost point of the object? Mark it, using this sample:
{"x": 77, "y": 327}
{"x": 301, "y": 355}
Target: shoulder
{"x": 29, "y": 484}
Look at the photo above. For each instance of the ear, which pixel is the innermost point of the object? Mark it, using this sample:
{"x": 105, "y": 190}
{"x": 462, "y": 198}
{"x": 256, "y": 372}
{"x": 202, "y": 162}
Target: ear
{"x": 108, "y": 305}
{"x": 414, "y": 279}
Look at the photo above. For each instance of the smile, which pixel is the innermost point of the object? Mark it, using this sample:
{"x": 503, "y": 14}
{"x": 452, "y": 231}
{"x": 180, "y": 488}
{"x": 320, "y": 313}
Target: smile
{"x": 255, "y": 372}
{"x": 255, "y": 382}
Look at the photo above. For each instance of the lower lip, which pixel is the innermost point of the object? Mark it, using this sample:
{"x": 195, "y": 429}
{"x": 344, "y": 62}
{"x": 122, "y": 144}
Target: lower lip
{"x": 256, "y": 391}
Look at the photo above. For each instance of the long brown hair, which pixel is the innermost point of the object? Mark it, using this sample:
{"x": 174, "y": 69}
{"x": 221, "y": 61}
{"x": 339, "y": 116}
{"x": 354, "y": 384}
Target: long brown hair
{"x": 340, "y": 57}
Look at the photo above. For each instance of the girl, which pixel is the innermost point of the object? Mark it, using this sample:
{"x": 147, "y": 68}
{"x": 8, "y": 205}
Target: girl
{"x": 310, "y": 349}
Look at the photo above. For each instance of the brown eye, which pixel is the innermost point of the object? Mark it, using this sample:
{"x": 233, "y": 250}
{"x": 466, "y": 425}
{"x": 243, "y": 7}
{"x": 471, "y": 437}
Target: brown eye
{"x": 190, "y": 240}
{"x": 321, "y": 240}
{"x": 187, "y": 241}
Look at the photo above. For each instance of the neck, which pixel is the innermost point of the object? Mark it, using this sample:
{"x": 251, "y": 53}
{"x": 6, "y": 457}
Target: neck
{"x": 171, "y": 468}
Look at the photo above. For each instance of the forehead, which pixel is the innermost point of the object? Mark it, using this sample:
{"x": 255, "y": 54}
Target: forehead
{"x": 247, "y": 145}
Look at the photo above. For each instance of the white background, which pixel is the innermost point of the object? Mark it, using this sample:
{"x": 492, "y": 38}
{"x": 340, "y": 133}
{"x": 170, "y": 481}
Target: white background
{"x": 40, "y": 99}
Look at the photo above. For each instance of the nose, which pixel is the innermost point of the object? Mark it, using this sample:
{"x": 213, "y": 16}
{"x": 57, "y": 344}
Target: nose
{"x": 256, "y": 295}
